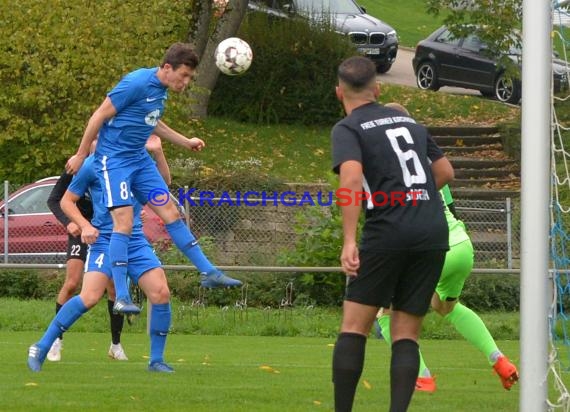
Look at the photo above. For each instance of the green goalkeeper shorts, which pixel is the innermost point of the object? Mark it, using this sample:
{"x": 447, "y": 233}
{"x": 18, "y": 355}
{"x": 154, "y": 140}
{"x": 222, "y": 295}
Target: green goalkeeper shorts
{"x": 457, "y": 267}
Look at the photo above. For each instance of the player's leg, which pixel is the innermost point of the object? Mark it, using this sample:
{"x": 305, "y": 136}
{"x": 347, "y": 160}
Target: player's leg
{"x": 117, "y": 321}
{"x": 148, "y": 182}
{"x": 425, "y": 382}
{"x": 349, "y": 350}
{"x": 154, "y": 285}
{"x": 365, "y": 293}
{"x": 145, "y": 270}
{"x": 416, "y": 283}
{"x": 92, "y": 290}
{"x": 76, "y": 252}
{"x": 118, "y": 253}
{"x": 458, "y": 266}
{"x": 115, "y": 179}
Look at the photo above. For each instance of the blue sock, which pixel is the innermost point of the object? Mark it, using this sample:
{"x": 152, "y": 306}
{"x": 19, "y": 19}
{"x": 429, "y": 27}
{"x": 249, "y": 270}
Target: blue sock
{"x": 67, "y": 315}
{"x": 187, "y": 243}
{"x": 160, "y": 317}
{"x": 118, "y": 253}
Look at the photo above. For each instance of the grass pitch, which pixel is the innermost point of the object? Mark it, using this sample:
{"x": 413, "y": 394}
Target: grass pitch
{"x": 235, "y": 373}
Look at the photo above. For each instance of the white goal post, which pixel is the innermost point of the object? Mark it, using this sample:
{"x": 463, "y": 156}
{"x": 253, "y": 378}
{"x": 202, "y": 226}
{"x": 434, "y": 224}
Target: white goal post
{"x": 535, "y": 193}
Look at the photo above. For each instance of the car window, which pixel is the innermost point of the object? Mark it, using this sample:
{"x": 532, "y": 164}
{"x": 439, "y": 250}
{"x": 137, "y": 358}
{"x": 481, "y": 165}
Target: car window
{"x": 447, "y": 38}
{"x": 33, "y": 200}
{"x": 472, "y": 43}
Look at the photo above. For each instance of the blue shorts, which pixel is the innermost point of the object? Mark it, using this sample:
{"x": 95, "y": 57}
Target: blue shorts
{"x": 141, "y": 257}
{"x": 122, "y": 179}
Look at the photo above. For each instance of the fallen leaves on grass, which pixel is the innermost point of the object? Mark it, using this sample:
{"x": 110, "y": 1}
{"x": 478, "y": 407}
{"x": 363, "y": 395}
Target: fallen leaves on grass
{"x": 269, "y": 369}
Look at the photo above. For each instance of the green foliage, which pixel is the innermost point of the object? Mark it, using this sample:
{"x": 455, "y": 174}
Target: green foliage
{"x": 319, "y": 243}
{"x": 292, "y": 77}
{"x": 261, "y": 290}
{"x": 58, "y": 59}
{"x": 29, "y": 284}
{"x": 492, "y": 293}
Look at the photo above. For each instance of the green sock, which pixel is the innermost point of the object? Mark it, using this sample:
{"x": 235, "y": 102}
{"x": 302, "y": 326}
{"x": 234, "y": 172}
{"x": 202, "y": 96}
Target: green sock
{"x": 472, "y": 328}
{"x": 384, "y": 322}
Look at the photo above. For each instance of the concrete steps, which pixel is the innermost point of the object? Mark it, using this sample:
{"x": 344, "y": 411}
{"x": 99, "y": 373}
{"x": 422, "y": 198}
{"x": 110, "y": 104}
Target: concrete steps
{"x": 484, "y": 178}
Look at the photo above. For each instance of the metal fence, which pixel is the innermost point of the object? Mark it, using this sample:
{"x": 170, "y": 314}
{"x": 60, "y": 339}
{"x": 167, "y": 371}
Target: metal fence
{"x": 494, "y": 227}
{"x": 235, "y": 233}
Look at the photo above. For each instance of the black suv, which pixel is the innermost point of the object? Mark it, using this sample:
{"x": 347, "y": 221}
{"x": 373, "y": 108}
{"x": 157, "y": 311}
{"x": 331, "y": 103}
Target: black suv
{"x": 371, "y": 36}
{"x": 445, "y": 60}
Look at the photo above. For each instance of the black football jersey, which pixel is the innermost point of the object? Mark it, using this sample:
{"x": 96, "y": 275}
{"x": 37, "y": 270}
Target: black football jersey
{"x": 404, "y": 210}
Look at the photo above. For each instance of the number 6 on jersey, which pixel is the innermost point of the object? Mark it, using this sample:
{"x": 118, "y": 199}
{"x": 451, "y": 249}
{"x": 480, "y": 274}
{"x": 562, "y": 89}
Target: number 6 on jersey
{"x": 403, "y": 157}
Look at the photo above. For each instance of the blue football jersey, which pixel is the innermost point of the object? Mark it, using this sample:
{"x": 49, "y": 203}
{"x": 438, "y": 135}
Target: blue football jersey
{"x": 86, "y": 181}
{"x": 139, "y": 101}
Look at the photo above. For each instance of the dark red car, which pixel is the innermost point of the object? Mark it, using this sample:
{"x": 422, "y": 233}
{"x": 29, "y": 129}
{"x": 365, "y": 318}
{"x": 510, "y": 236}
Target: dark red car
{"x": 36, "y": 236}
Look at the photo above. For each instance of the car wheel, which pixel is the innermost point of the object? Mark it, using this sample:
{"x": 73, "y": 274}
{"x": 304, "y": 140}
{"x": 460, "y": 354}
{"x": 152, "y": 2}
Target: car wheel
{"x": 507, "y": 90}
{"x": 383, "y": 67}
{"x": 426, "y": 77}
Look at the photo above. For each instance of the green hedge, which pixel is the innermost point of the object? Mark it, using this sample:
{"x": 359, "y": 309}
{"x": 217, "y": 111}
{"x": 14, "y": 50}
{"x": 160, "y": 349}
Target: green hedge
{"x": 292, "y": 77}
{"x": 485, "y": 293}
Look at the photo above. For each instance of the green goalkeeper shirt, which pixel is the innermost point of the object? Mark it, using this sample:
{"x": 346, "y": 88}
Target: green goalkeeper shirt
{"x": 457, "y": 230}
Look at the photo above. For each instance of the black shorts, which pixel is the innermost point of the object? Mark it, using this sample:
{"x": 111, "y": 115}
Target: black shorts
{"x": 76, "y": 249}
{"x": 404, "y": 280}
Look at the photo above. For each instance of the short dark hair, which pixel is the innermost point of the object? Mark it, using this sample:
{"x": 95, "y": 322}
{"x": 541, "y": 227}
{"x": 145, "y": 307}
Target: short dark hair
{"x": 357, "y": 72}
{"x": 180, "y": 54}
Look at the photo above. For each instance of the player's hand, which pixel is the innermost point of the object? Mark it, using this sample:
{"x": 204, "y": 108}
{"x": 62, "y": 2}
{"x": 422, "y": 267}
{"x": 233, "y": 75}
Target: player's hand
{"x": 154, "y": 144}
{"x": 74, "y": 164}
{"x": 73, "y": 229}
{"x": 143, "y": 216}
{"x": 196, "y": 144}
{"x": 89, "y": 234}
{"x": 349, "y": 259}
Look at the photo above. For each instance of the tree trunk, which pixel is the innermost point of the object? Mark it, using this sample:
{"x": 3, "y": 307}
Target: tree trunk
{"x": 205, "y": 43}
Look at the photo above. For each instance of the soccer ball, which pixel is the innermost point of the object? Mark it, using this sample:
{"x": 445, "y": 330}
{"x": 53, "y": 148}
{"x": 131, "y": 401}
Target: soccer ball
{"x": 233, "y": 56}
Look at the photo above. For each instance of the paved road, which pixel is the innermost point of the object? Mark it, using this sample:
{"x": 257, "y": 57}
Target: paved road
{"x": 402, "y": 73}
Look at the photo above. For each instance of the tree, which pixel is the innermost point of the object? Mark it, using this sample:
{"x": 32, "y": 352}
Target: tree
{"x": 214, "y": 22}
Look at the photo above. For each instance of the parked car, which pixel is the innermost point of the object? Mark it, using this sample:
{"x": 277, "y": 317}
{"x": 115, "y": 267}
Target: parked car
{"x": 445, "y": 60}
{"x": 36, "y": 236}
{"x": 371, "y": 36}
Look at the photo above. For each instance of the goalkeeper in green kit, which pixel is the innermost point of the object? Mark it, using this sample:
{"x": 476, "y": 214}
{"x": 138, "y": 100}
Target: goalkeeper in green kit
{"x": 457, "y": 268}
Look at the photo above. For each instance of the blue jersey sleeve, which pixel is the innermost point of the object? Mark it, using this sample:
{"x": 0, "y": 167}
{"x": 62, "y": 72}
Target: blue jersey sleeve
{"x": 81, "y": 182}
{"x": 127, "y": 91}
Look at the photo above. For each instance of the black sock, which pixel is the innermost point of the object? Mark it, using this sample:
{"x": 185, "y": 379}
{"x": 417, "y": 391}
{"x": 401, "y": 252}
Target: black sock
{"x": 348, "y": 361}
{"x": 404, "y": 368}
{"x": 57, "y": 308}
{"x": 117, "y": 321}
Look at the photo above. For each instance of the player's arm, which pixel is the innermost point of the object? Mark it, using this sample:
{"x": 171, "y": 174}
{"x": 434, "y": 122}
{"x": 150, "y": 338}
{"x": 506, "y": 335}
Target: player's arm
{"x": 103, "y": 113}
{"x": 69, "y": 206}
{"x": 154, "y": 146}
{"x": 55, "y": 197}
{"x": 165, "y": 132}
{"x": 351, "y": 183}
{"x": 448, "y": 200}
{"x": 442, "y": 172}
